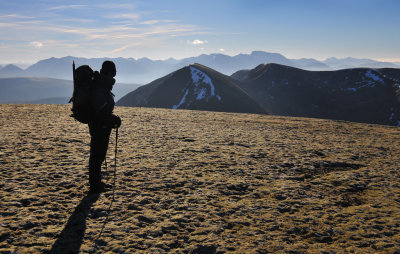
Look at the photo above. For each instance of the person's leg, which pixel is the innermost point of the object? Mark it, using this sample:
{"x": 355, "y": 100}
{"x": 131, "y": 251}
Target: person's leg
{"x": 98, "y": 150}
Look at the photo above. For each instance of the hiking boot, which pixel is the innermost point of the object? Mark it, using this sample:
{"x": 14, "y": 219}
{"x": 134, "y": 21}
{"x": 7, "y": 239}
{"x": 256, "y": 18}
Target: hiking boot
{"x": 98, "y": 188}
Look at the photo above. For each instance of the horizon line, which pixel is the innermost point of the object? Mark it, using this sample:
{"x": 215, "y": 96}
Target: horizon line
{"x": 382, "y": 60}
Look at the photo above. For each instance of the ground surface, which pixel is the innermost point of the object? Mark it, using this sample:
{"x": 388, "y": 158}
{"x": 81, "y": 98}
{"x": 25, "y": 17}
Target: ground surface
{"x": 199, "y": 182}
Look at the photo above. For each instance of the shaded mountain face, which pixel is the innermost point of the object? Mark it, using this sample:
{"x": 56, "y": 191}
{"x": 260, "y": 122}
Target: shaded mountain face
{"x": 193, "y": 87}
{"x": 360, "y": 95}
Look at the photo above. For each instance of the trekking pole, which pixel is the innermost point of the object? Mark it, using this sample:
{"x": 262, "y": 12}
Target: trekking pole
{"x": 115, "y": 161}
{"x": 95, "y": 247}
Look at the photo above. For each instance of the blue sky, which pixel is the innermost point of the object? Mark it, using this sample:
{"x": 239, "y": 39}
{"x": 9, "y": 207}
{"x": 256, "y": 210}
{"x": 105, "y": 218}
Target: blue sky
{"x": 31, "y": 30}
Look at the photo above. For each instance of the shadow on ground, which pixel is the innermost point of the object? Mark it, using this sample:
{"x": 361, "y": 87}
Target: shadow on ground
{"x": 71, "y": 238}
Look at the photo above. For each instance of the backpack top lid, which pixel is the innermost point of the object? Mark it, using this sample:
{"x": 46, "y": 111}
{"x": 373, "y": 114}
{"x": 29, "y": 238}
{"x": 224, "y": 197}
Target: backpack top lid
{"x": 83, "y": 74}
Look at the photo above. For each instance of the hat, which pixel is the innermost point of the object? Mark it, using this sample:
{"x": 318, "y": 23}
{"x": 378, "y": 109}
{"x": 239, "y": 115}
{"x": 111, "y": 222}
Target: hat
{"x": 108, "y": 68}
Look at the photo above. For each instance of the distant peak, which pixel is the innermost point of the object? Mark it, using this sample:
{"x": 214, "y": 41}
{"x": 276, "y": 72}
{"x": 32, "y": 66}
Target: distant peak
{"x": 11, "y": 67}
{"x": 270, "y": 65}
{"x": 263, "y": 53}
{"x": 144, "y": 59}
{"x": 197, "y": 65}
{"x": 258, "y": 53}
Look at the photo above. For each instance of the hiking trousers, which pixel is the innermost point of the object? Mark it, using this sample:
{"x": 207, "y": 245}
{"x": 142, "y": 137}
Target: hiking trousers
{"x": 100, "y": 136}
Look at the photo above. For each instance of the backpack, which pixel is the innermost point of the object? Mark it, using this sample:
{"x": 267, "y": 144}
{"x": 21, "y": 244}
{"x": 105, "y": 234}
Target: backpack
{"x": 83, "y": 82}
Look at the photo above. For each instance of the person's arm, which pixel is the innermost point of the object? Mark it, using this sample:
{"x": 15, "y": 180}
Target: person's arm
{"x": 103, "y": 102}
{"x": 101, "y": 116}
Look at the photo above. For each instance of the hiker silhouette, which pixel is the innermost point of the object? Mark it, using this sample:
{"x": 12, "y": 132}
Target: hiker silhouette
{"x": 102, "y": 120}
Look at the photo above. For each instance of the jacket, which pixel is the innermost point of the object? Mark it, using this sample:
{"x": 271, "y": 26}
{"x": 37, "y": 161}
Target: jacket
{"x": 102, "y": 101}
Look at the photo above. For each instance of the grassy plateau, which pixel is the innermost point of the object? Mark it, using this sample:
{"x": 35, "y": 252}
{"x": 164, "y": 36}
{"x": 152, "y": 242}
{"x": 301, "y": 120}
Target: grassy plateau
{"x": 199, "y": 182}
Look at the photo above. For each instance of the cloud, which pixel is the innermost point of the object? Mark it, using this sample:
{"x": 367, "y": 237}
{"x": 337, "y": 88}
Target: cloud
{"x": 123, "y": 48}
{"x": 197, "y": 42}
{"x": 77, "y": 20}
{"x": 63, "y": 7}
{"x": 222, "y": 50}
{"x": 36, "y": 44}
{"x": 25, "y": 29}
{"x": 6, "y": 25}
{"x": 155, "y": 21}
{"x": 129, "y": 16}
{"x": 14, "y": 16}
{"x": 115, "y": 6}
{"x": 113, "y": 31}
{"x": 150, "y": 22}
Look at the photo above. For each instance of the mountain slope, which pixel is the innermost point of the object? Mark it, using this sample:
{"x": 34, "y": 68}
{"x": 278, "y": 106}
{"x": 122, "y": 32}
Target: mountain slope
{"x": 193, "y": 87}
{"x": 361, "y": 95}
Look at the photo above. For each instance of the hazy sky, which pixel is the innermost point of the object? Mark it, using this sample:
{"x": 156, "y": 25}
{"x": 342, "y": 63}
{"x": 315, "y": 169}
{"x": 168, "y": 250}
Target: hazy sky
{"x": 31, "y": 30}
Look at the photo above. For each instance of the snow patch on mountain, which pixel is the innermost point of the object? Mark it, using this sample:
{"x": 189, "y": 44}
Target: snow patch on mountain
{"x": 369, "y": 79}
{"x": 199, "y": 78}
{"x": 391, "y": 116}
{"x": 201, "y": 94}
{"x": 203, "y": 89}
{"x": 182, "y": 100}
{"x": 369, "y": 74}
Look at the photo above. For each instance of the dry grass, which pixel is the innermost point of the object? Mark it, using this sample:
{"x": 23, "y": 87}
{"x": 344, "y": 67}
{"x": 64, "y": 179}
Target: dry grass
{"x": 191, "y": 181}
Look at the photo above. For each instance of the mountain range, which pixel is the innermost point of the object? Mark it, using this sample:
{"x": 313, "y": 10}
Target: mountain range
{"x": 45, "y": 90}
{"x": 144, "y": 70}
{"x": 360, "y": 94}
{"x": 230, "y": 84}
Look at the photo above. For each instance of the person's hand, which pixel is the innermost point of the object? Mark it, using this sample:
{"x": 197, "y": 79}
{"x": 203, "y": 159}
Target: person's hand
{"x": 115, "y": 121}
